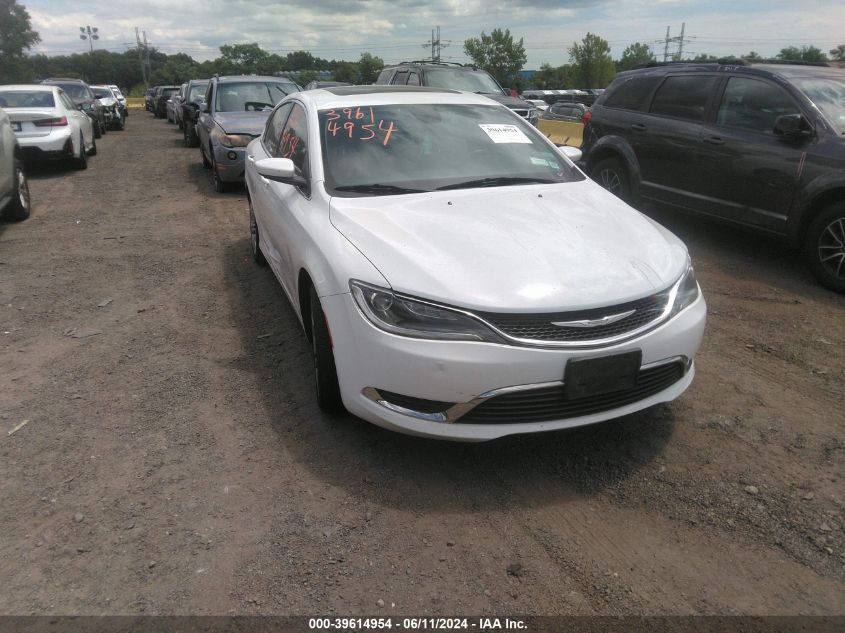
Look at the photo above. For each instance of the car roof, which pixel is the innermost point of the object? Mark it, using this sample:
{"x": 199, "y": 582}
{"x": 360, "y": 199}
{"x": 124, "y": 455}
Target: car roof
{"x": 64, "y": 80}
{"x": 342, "y": 96}
{"x": 785, "y": 70}
{"x": 241, "y": 78}
{"x": 44, "y": 87}
{"x": 430, "y": 64}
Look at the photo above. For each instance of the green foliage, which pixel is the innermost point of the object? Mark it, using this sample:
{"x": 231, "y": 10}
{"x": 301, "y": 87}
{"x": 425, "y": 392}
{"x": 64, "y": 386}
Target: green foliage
{"x": 752, "y": 55}
{"x": 369, "y": 67}
{"x": 803, "y": 54}
{"x": 591, "y": 63}
{"x": 838, "y": 53}
{"x": 346, "y": 71}
{"x": 551, "y": 78}
{"x": 497, "y": 53}
{"x": 705, "y": 57}
{"x": 636, "y": 54}
{"x": 16, "y": 36}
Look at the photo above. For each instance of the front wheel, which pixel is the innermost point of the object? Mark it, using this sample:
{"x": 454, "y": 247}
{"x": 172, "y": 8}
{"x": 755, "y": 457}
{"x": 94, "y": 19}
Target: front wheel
{"x": 255, "y": 245}
{"x": 325, "y": 371}
{"x": 18, "y": 208}
{"x": 825, "y": 247}
{"x": 93, "y": 150}
{"x": 612, "y": 175}
{"x": 81, "y": 161}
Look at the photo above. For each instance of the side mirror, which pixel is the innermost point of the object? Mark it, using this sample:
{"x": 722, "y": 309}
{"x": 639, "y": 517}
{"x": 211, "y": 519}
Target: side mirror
{"x": 85, "y": 106}
{"x": 202, "y": 106}
{"x": 572, "y": 153}
{"x": 279, "y": 170}
{"x": 792, "y": 127}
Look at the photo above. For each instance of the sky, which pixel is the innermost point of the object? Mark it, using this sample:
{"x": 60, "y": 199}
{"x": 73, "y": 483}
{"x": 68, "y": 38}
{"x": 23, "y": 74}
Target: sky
{"x": 396, "y": 30}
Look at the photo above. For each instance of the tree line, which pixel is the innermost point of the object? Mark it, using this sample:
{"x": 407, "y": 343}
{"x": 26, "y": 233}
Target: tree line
{"x": 590, "y": 62}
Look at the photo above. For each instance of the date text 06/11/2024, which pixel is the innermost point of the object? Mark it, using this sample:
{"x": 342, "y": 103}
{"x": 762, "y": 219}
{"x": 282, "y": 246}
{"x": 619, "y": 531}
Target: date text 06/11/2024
{"x": 481, "y": 624}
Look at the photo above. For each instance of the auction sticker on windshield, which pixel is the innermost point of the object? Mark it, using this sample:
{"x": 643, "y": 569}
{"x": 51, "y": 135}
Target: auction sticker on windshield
{"x": 504, "y": 133}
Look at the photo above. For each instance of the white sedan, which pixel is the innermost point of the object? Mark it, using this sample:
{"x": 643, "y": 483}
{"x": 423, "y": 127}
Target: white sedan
{"x": 457, "y": 276}
{"x": 48, "y": 124}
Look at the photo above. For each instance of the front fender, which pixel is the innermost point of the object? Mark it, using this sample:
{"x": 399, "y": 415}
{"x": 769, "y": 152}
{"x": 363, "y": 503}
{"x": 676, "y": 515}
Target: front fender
{"x": 816, "y": 194}
{"x": 616, "y": 147}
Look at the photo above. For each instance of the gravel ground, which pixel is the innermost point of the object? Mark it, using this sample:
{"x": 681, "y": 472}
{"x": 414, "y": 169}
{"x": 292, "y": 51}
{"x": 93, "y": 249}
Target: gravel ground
{"x": 174, "y": 460}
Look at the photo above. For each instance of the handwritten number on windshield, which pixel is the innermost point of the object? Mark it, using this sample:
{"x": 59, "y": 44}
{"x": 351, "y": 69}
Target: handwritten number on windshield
{"x": 357, "y": 127}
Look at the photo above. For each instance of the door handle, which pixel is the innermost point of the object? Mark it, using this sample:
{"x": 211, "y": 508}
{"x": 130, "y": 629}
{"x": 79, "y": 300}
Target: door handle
{"x": 714, "y": 140}
{"x": 638, "y": 127}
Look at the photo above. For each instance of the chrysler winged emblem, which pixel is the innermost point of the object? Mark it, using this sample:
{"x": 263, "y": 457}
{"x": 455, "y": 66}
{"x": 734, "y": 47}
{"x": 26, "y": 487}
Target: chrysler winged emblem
{"x": 605, "y": 320}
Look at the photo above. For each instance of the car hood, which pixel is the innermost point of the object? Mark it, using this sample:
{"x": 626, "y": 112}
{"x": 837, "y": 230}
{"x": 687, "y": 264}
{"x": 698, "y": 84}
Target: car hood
{"x": 513, "y": 103}
{"x": 107, "y": 101}
{"x": 242, "y": 122}
{"x": 540, "y": 248}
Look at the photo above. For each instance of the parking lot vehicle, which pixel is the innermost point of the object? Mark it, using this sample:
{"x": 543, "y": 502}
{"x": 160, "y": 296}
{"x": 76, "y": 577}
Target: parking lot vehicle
{"x": 121, "y": 99}
{"x": 81, "y": 94}
{"x": 162, "y": 94}
{"x": 189, "y": 110}
{"x": 48, "y": 124}
{"x": 14, "y": 187}
{"x": 456, "y": 275}
{"x": 149, "y": 99}
{"x": 563, "y": 123}
{"x": 324, "y": 84}
{"x": 233, "y": 113}
{"x": 456, "y": 77}
{"x": 762, "y": 146}
{"x": 537, "y": 103}
{"x": 111, "y": 107}
{"x": 174, "y": 104}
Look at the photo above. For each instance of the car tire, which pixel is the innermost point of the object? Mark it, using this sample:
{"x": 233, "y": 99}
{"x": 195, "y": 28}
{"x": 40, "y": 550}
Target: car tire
{"x": 81, "y": 162}
{"x": 205, "y": 162}
{"x": 825, "y": 247}
{"x": 254, "y": 242}
{"x": 611, "y": 174}
{"x": 180, "y": 124}
{"x": 220, "y": 186}
{"x": 325, "y": 371}
{"x": 93, "y": 151}
{"x": 18, "y": 209}
{"x": 98, "y": 132}
{"x": 191, "y": 139}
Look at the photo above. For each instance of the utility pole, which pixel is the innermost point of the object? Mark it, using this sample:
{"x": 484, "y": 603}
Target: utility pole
{"x": 666, "y": 47}
{"x": 435, "y": 44}
{"x": 141, "y": 59}
{"x": 147, "y": 51}
{"x": 681, "y": 42}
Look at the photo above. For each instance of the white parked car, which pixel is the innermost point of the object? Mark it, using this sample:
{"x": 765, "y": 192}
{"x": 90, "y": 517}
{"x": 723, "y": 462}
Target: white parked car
{"x": 14, "y": 188}
{"x": 457, "y": 275}
{"x": 112, "y": 112}
{"x": 48, "y": 124}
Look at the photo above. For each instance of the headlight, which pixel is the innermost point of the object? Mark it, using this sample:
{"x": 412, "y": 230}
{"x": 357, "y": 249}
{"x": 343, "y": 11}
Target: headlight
{"x": 687, "y": 291}
{"x": 416, "y": 318}
{"x": 230, "y": 140}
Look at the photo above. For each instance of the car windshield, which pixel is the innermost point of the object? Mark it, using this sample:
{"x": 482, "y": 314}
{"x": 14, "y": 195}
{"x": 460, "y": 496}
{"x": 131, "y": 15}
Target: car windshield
{"x": 253, "y": 95}
{"x": 75, "y": 91}
{"x": 166, "y": 92}
{"x": 829, "y": 96}
{"x": 391, "y": 149}
{"x": 466, "y": 80}
{"x": 197, "y": 91}
{"x": 102, "y": 93}
{"x": 26, "y": 99}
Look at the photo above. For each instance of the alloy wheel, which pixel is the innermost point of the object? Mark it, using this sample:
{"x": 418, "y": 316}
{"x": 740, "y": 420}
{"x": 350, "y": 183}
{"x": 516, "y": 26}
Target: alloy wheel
{"x": 831, "y": 248}
{"x": 610, "y": 180}
{"x": 23, "y": 188}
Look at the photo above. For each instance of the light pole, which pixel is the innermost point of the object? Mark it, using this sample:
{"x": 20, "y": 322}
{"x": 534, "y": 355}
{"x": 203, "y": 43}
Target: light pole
{"x": 89, "y": 33}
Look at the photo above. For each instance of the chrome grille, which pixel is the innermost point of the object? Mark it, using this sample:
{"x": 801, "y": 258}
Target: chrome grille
{"x": 540, "y": 327}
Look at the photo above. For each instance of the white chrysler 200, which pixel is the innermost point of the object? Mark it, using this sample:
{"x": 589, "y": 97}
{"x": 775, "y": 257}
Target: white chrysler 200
{"x": 457, "y": 276}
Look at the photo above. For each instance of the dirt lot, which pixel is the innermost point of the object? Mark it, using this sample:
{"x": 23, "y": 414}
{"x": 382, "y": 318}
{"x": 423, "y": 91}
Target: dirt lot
{"x": 175, "y": 461}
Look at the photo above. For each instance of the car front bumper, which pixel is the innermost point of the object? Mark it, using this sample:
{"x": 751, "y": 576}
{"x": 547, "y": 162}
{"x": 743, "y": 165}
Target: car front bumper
{"x": 230, "y": 163}
{"x": 372, "y": 363}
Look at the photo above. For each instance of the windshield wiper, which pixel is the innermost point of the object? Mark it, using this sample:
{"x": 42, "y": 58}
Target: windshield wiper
{"x": 499, "y": 181}
{"x": 378, "y": 188}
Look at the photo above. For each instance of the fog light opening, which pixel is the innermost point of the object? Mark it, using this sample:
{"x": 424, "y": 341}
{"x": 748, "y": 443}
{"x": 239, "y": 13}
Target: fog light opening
{"x": 231, "y": 156}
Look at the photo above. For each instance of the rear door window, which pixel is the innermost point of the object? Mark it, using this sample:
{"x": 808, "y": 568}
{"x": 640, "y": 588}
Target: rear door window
{"x": 413, "y": 79}
{"x": 684, "y": 97}
{"x": 632, "y": 94}
{"x": 400, "y": 78}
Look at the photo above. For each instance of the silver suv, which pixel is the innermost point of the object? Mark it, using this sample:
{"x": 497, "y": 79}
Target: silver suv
{"x": 14, "y": 188}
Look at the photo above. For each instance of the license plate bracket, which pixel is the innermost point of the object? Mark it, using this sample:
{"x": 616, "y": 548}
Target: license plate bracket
{"x": 586, "y": 377}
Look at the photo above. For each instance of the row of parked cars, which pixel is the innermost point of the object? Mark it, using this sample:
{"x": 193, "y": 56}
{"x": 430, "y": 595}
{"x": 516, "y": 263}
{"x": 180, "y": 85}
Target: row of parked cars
{"x": 57, "y": 119}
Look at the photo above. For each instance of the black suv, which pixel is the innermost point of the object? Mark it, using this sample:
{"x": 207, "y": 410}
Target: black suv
{"x": 190, "y": 107}
{"x": 758, "y": 145}
{"x": 160, "y": 97}
{"x": 84, "y": 99}
{"x": 456, "y": 77}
